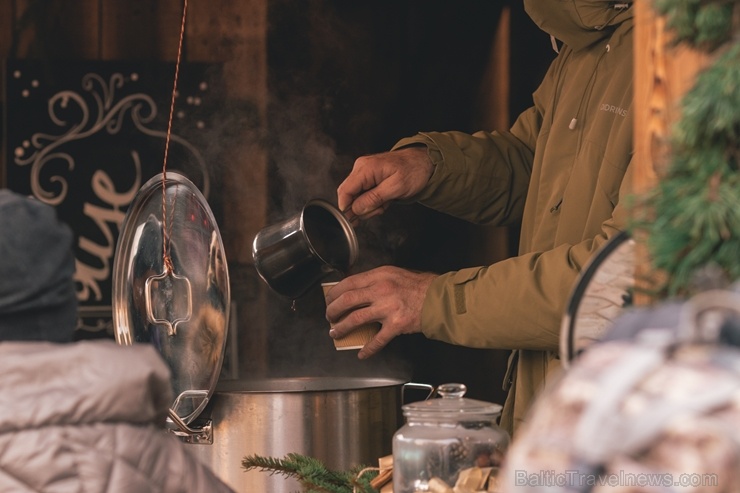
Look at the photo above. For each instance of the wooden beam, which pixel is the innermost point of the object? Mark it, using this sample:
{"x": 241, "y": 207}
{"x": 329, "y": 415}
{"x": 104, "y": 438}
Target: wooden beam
{"x": 663, "y": 74}
{"x": 494, "y": 100}
{"x": 235, "y": 34}
{"x": 56, "y": 29}
{"x": 140, "y": 30}
{"x": 7, "y": 8}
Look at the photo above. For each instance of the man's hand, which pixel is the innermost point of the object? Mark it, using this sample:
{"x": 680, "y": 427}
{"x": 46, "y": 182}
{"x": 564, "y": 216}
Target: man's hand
{"x": 378, "y": 179}
{"x": 389, "y": 295}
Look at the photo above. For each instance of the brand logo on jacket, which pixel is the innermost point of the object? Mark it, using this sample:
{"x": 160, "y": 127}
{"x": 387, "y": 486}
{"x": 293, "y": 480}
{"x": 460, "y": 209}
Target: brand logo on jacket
{"x": 610, "y": 108}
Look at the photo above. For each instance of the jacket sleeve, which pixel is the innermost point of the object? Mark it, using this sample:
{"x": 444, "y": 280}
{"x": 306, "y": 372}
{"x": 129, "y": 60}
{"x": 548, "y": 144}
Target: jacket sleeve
{"x": 483, "y": 177}
{"x": 491, "y": 307}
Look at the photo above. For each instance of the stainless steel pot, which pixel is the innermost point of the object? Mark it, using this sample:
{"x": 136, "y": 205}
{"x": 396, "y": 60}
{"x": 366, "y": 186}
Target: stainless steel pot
{"x": 294, "y": 255}
{"x": 344, "y": 422}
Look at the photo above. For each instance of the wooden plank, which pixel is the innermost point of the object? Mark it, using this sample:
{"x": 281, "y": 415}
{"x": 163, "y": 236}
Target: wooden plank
{"x": 57, "y": 29}
{"x": 496, "y": 80}
{"x": 235, "y": 33}
{"x": 25, "y": 28}
{"x": 7, "y": 8}
{"x": 495, "y": 100}
{"x": 663, "y": 74}
{"x": 140, "y": 30}
{"x": 78, "y": 29}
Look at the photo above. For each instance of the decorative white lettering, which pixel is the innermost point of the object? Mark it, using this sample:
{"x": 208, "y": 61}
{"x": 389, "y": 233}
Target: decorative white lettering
{"x": 87, "y": 276}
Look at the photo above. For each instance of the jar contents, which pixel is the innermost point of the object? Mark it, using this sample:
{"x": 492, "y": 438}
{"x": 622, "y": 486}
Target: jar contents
{"x": 450, "y": 445}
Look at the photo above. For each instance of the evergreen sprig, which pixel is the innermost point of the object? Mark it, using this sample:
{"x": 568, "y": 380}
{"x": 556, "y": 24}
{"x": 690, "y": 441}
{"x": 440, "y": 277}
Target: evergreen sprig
{"x": 694, "y": 211}
{"x": 312, "y": 474}
{"x": 709, "y": 113}
{"x": 704, "y": 24}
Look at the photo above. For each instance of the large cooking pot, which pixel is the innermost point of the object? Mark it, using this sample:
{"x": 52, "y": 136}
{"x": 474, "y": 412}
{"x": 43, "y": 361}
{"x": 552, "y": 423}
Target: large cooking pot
{"x": 343, "y": 421}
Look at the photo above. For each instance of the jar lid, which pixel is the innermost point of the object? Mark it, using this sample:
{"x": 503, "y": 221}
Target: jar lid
{"x": 179, "y": 303}
{"x": 452, "y": 405}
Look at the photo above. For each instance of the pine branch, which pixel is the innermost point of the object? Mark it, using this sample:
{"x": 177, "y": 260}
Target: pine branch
{"x": 312, "y": 474}
{"x": 704, "y": 24}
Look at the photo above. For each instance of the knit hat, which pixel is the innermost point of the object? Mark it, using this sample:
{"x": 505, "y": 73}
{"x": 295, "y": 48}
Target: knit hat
{"x": 37, "y": 290}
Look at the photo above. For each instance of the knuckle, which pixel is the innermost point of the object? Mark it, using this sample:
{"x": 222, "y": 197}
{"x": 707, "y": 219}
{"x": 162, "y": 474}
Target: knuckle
{"x": 374, "y": 198}
{"x": 356, "y": 318}
{"x": 349, "y": 299}
{"x": 386, "y": 270}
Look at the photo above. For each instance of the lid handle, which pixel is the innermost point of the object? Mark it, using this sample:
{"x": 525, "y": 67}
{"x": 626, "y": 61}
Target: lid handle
{"x": 169, "y": 300}
{"x": 452, "y": 390}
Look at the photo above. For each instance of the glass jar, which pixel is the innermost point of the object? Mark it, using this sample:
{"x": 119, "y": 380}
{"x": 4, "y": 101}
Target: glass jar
{"x": 448, "y": 442}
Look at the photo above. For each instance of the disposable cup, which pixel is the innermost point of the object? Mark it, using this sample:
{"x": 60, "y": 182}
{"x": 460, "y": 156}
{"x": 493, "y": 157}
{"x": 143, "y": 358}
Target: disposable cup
{"x": 358, "y": 337}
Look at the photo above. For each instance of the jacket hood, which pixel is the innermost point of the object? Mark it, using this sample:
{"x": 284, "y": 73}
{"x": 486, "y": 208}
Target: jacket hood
{"x": 578, "y": 23}
{"x": 38, "y": 301}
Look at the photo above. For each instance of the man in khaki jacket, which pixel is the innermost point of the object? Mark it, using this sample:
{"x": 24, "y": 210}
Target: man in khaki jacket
{"x": 559, "y": 170}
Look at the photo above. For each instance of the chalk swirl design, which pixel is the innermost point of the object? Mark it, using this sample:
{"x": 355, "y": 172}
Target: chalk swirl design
{"x": 103, "y": 114}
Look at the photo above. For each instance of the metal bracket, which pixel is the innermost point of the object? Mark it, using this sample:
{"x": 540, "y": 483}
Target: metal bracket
{"x": 203, "y": 435}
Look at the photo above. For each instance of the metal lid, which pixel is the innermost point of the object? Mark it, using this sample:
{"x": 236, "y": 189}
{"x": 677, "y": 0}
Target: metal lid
{"x": 452, "y": 406}
{"x": 178, "y": 302}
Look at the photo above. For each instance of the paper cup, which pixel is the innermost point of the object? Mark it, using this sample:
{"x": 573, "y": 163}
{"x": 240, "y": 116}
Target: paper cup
{"x": 358, "y": 337}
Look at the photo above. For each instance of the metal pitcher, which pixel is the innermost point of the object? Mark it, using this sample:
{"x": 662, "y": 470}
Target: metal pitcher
{"x": 294, "y": 255}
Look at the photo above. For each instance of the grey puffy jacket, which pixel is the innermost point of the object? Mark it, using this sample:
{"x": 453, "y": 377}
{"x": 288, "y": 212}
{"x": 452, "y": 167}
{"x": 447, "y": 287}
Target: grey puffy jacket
{"x": 88, "y": 417}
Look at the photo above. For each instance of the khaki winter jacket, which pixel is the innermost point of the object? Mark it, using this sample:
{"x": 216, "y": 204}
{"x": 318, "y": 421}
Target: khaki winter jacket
{"x": 87, "y": 418}
{"x": 560, "y": 171}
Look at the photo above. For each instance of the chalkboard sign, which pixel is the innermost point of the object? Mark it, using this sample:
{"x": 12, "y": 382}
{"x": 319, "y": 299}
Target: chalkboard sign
{"x": 84, "y": 136}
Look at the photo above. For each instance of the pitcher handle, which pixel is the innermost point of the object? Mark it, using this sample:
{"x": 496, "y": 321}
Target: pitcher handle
{"x": 418, "y": 386}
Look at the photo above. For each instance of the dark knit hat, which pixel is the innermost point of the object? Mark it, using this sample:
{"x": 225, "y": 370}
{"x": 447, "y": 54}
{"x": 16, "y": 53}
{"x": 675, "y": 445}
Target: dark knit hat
{"x": 37, "y": 291}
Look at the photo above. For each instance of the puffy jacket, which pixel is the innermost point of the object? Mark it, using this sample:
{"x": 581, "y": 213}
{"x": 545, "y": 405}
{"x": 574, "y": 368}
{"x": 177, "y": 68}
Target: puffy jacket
{"x": 559, "y": 171}
{"x": 88, "y": 418}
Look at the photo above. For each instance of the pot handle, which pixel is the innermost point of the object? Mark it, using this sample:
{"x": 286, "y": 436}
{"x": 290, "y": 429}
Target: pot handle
{"x": 418, "y": 386}
{"x": 190, "y": 435}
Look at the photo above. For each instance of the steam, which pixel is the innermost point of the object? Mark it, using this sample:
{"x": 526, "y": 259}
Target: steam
{"x": 308, "y": 167}
{"x": 301, "y": 153}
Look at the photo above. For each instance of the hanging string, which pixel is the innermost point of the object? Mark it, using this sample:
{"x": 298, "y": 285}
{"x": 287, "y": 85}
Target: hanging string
{"x": 167, "y": 233}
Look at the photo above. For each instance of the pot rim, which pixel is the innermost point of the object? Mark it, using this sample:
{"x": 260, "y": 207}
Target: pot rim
{"x": 271, "y": 385}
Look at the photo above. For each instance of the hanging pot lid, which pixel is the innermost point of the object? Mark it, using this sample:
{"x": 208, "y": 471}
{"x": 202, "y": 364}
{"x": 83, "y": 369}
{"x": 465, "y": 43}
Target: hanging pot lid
{"x": 179, "y": 301}
{"x": 602, "y": 293}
